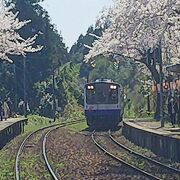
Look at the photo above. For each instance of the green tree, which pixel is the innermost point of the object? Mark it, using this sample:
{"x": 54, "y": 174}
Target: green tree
{"x": 39, "y": 66}
{"x": 67, "y": 90}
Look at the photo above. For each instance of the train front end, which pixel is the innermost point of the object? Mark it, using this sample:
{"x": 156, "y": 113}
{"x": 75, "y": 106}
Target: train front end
{"x": 103, "y": 104}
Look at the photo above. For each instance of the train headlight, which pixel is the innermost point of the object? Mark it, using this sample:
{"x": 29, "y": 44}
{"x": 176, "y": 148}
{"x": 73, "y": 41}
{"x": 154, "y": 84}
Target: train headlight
{"x": 90, "y": 87}
{"x": 113, "y": 87}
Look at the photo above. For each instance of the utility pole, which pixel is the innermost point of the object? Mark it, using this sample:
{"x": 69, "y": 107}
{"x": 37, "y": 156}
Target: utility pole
{"x": 15, "y": 85}
{"x": 24, "y": 89}
{"x": 161, "y": 85}
{"x": 87, "y": 78}
{"x": 54, "y": 98}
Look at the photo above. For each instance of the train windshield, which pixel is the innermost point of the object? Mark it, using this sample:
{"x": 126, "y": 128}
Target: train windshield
{"x": 102, "y": 93}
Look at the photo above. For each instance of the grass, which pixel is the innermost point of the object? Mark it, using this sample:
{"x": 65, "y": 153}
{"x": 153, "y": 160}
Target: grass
{"x": 78, "y": 127}
{"x": 7, "y": 159}
{"x": 35, "y": 122}
{"x": 8, "y": 153}
{"x": 31, "y": 162}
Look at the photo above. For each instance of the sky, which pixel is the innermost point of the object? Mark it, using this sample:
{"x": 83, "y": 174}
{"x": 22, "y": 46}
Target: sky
{"x": 73, "y": 17}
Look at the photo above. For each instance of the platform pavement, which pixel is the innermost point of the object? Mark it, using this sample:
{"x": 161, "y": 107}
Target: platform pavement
{"x": 155, "y": 127}
{"x": 4, "y": 124}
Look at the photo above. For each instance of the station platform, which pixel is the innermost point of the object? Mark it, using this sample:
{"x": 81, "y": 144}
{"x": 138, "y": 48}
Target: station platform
{"x": 149, "y": 134}
{"x": 10, "y": 129}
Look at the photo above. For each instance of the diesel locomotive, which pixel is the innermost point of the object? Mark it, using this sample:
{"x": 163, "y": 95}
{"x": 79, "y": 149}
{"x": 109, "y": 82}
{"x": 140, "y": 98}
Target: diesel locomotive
{"x": 103, "y": 103}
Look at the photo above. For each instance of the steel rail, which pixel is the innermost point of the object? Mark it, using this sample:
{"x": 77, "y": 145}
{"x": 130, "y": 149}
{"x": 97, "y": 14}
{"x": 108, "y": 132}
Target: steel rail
{"x": 17, "y": 170}
{"x": 22, "y": 145}
{"x": 122, "y": 161}
{"x": 50, "y": 169}
{"x": 53, "y": 175}
{"x": 143, "y": 156}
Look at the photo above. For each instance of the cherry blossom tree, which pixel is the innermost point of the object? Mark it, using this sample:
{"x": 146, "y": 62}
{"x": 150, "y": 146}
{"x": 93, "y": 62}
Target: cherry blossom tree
{"x": 11, "y": 42}
{"x": 143, "y": 31}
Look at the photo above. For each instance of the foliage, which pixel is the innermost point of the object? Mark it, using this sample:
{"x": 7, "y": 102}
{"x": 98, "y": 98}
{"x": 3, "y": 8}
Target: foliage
{"x": 121, "y": 73}
{"x": 134, "y": 102}
{"x": 36, "y": 67}
{"x": 145, "y": 85}
{"x": 73, "y": 111}
{"x": 54, "y": 62}
{"x": 121, "y": 70}
{"x": 42, "y": 65}
{"x": 11, "y": 42}
{"x": 145, "y": 32}
{"x": 66, "y": 90}
{"x": 139, "y": 26}
{"x": 79, "y": 49}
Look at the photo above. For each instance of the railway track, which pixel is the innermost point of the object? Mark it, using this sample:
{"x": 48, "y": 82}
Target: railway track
{"x": 113, "y": 154}
{"x": 143, "y": 156}
{"x": 44, "y": 151}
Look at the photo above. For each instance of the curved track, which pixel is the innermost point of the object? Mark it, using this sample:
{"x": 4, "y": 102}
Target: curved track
{"x": 22, "y": 147}
{"x": 50, "y": 169}
{"x": 144, "y": 173}
{"x": 144, "y": 157}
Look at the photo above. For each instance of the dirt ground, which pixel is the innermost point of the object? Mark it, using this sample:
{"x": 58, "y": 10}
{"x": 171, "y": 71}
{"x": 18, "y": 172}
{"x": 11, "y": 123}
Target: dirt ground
{"x": 74, "y": 156}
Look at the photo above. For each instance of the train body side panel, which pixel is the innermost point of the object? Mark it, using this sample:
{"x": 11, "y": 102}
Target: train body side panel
{"x": 102, "y": 106}
{"x": 103, "y": 117}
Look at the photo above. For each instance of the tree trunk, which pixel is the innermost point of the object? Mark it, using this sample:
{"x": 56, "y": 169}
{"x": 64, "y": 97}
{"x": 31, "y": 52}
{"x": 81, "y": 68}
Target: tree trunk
{"x": 148, "y": 104}
{"x": 157, "y": 113}
{"x": 151, "y": 65}
{"x": 156, "y": 78}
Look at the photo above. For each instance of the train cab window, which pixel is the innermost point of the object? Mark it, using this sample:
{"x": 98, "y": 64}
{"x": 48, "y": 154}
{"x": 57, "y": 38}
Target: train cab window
{"x": 90, "y": 96}
{"x": 102, "y": 93}
{"x": 101, "y": 97}
{"x": 113, "y": 96}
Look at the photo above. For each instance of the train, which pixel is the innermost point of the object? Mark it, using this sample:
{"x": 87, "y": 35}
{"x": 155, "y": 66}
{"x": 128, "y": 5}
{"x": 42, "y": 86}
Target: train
{"x": 103, "y": 103}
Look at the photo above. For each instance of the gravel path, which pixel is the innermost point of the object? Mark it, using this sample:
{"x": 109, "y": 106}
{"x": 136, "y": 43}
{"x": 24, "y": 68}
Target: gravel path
{"x": 74, "y": 156}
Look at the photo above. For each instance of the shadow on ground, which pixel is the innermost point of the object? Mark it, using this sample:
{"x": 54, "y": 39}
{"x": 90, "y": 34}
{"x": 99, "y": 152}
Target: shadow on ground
{"x": 102, "y": 129}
